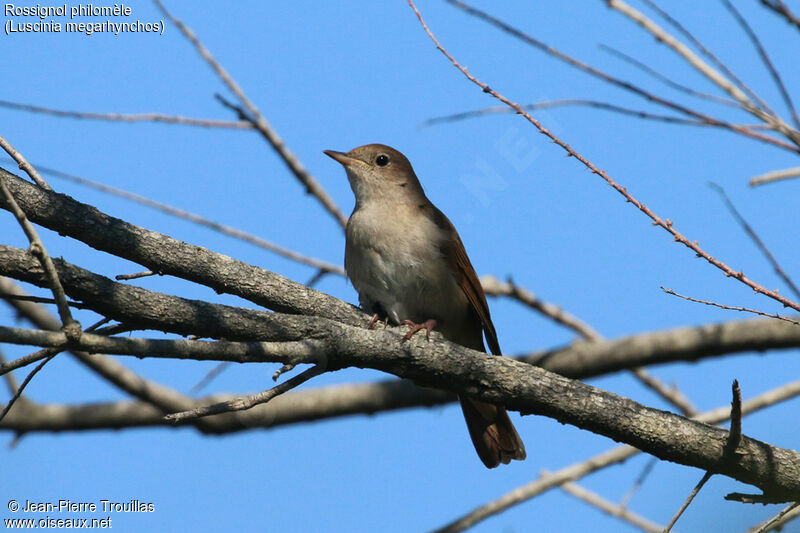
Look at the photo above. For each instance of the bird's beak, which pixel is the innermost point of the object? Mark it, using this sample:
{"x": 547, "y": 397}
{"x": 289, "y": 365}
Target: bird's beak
{"x": 342, "y": 158}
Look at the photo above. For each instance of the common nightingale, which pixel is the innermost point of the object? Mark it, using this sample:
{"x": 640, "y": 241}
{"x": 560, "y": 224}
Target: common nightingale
{"x": 408, "y": 264}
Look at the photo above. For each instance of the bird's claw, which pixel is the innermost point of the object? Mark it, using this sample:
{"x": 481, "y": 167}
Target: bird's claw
{"x": 428, "y": 326}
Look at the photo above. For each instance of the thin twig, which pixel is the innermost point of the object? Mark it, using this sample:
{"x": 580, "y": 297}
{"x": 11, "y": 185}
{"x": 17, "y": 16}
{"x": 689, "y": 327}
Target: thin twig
{"x": 657, "y": 221}
{"x": 779, "y": 7}
{"x": 38, "y": 355}
{"x": 494, "y": 287}
{"x": 787, "y": 99}
{"x": 639, "y": 481}
{"x": 135, "y": 275}
{"x": 24, "y": 165}
{"x": 246, "y": 402}
{"x": 11, "y": 381}
{"x": 49, "y": 358}
{"x": 729, "y": 451}
{"x": 197, "y": 219}
{"x": 756, "y": 239}
{"x": 662, "y": 36}
{"x": 688, "y": 501}
{"x": 259, "y": 122}
{"x": 672, "y": 394}
{"x": 777, "y": 522}
{"x": 565, "y": 103}
{"x": 71, "y": 326}
{"x": 40, "y": 300}
{"x": 131, "y": 117}
{"x": 610, "y": 508}
{"x": 209, "y": 377}
{"x": 730, "y": 308}
{"x": 665, "y": 79}
{"x": 22, "y": 386}
{"x": 708, "y": 53}
{"x": 775, "y": 175}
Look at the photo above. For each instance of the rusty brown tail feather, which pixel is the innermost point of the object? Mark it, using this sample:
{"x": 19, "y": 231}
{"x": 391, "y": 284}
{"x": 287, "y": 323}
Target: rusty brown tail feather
{"x": 492, "y": 432}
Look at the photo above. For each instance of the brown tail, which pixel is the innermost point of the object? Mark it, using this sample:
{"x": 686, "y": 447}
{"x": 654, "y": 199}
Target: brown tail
{"x": 492, "y": 432}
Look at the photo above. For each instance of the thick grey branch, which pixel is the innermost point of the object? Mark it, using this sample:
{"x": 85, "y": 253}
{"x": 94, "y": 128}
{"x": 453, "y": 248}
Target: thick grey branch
{"x": 165, "y": 255}
{"x": 532, "y": 390}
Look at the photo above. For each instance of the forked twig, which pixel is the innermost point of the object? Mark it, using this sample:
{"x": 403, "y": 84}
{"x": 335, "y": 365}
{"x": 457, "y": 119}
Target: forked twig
{"x": 246, "y": 402}
{"x": 729, "y": 307}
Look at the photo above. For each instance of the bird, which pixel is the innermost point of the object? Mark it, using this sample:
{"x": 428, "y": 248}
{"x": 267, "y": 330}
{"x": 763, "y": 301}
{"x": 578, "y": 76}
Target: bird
{"x": 408, "y": 264}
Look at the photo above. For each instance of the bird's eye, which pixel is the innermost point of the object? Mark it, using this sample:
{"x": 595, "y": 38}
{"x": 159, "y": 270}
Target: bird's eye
{"x": 382, "y": 160}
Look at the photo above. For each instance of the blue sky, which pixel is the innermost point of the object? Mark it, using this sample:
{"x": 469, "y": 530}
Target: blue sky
{"x": 334, "y": 75}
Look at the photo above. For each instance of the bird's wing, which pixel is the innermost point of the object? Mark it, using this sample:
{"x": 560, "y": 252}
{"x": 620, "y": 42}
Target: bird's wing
{"x": 461, "y": 266}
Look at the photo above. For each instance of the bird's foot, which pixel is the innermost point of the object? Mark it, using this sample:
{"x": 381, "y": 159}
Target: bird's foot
{"x": 373, "y": 320}
{"x": 428, "y": 326}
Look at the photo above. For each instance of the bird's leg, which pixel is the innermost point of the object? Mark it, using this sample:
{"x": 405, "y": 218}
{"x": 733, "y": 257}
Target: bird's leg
{"x": 428, "y": 326}
{"x": 372, "y": 321}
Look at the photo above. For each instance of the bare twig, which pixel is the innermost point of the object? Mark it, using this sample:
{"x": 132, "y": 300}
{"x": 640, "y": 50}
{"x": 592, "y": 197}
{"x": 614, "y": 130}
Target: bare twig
{"x": 135, "y": 275}
{"x": 639, "y": 481}
{"x": 779, "y": 7}
{"x": 787, "y": 99}
{"x": 11, "y": 381}
{"x": 777, "y": 522}
{"x": 665, "y": 79}
{"x": 494, "y": 287}
{"x": 729, "y": 451}
{"x": 246, "y": 402}
{"x": 708, "y": 53}
{"x": 22, "y": 386}
{"x": 259, "y": 122}
{"x": 775, "y": 175}
{"x": 24, "y": 165}
{"x": 693, "y": 59}
{"x": 756, "y": 239}
{"x": 38, "y": 299}
{"x": 197, "y": 219}
{"x": 129, "y": 117}
{"x": 564, "y": 103}
{"x": 688, "y": 501}
{"x": 657, "y": 221}
{"x": 730, "y": 308}
{"x": 610, "y": 508}
{"x": 210, "y": 375}
{"x": 71, "y": 326}
{"x": 672, "y": 394}
{"x": 38, "y": 355}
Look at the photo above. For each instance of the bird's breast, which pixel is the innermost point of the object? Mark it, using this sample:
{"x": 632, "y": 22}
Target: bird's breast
{"x": 394, "y": 259}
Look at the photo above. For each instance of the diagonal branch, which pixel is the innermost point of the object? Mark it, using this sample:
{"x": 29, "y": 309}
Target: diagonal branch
{"x": 658, "y": 221}
{"x": 260, "y": 122}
